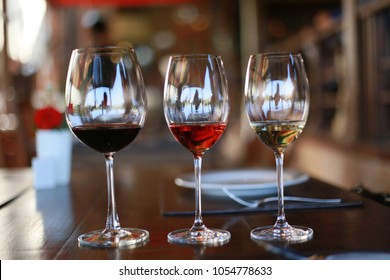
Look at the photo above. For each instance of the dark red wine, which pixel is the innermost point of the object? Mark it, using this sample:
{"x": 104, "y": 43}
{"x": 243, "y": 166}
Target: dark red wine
{"x": 198, "y": 137}
{"x": 107, "y": 138}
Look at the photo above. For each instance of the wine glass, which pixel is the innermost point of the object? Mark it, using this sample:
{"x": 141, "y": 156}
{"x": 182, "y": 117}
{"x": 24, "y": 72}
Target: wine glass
{"x": 105, "y": 110}
{"x": 277, "y": 106}
{"x": 196, "y": 109}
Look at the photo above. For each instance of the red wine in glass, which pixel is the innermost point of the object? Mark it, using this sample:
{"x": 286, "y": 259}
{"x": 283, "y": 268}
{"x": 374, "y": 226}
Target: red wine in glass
{"x": 106, "y": 109}
{"x": 198, "y": 137}
{"x": 107, "y": 138}
{"x": 196, "y": 109}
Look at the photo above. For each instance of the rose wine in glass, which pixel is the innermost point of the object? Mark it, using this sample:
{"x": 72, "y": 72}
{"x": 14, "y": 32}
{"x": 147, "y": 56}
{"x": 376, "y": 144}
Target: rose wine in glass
{"x": 105, "y": 110}
{"x": 196, "y": 109}
{"x": 277, "y": 106}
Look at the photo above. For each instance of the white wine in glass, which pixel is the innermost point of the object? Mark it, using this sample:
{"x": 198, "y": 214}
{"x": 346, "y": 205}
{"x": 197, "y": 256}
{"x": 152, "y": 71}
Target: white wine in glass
{"x": 277, "y": 106}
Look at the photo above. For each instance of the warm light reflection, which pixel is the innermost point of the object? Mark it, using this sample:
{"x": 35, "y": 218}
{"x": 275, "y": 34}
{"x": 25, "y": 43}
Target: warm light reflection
{"x": 8, "y": 122}
{"x": 1, "y": 29}
{"x": 26, "y": 19}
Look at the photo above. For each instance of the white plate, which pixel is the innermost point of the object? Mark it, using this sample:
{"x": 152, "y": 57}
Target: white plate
{"x": 241, "y": 182}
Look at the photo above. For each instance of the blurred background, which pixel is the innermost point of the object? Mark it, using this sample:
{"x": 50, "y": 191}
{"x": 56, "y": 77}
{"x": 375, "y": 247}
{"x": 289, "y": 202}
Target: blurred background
{"x": 345, "y": 44}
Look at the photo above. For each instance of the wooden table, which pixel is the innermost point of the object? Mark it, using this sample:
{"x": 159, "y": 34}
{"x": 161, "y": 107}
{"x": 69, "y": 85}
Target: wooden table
{"x": 45, "y": 224}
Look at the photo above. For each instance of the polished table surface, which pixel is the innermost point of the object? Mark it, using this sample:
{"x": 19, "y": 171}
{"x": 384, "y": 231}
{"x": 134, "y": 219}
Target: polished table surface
{"x": 45, "y": 224}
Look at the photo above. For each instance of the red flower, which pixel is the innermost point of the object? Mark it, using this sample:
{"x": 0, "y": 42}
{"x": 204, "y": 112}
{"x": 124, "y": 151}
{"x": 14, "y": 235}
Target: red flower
{"x": 48, "y": 118}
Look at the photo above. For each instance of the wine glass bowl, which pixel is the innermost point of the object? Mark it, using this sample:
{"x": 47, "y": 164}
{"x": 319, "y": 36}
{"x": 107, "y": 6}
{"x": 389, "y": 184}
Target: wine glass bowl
{"x": 105, "y": 110}
{"x": 277, "y": 106}
{"x": 196, "y": 110}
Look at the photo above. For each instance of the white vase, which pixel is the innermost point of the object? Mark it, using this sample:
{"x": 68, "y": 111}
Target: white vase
{"x": 52, "y": 166}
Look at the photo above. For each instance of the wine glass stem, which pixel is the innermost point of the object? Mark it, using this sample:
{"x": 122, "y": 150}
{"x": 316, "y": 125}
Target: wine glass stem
{"x": 112, "y": 221}
{"x": 198, "y": 223}
{"x": 281, "y": 219}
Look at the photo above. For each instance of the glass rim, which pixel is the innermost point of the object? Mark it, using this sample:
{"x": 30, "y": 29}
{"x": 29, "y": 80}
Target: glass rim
{"x": 103, "y": 49}
{"x": 194, "y": 56}
{"x": 277, "y": 54}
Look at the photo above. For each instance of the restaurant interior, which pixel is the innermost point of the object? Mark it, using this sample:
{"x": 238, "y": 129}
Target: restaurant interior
{"x": 336, "y": 175}
{"x": 345, "y": 45}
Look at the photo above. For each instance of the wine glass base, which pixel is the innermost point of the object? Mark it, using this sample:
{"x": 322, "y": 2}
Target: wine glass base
{"x": 291, "y": 234}
{"x": 112, "y": 238}
{"x": 207, "y": 236}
